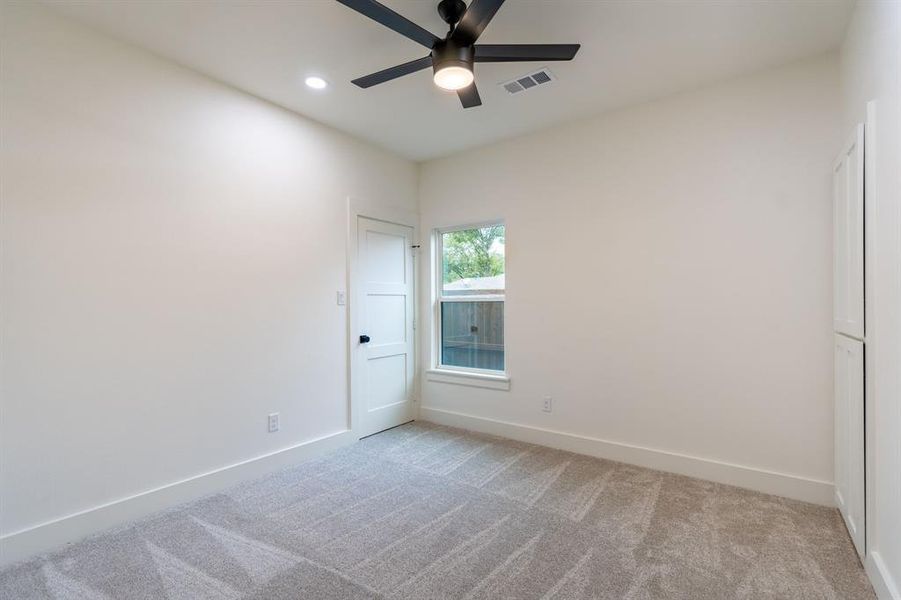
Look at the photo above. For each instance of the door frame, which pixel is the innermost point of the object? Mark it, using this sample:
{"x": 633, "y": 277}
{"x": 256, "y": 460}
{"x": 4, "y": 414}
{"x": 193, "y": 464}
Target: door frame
{"x": 363, "y": 207}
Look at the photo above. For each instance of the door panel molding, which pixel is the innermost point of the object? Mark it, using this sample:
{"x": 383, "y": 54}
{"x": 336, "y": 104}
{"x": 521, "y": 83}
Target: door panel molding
{"x": 848, "y": 237}
{"x": 849, "y": 437}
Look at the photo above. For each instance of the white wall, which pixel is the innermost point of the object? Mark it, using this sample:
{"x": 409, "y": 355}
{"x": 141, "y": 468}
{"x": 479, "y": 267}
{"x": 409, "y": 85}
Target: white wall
{"x": 669, "y": 275}
{"x": 171, "y": 253}
{"x": 871, "y": 70}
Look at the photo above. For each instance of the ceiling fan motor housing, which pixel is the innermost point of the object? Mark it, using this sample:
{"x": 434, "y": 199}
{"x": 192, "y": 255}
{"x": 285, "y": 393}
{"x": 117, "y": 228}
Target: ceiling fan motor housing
{"x": 448, "y": 54}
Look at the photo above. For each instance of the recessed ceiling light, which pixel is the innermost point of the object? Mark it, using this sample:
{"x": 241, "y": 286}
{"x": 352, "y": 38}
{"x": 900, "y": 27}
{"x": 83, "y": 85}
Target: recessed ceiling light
{"x": 317, "y": 83}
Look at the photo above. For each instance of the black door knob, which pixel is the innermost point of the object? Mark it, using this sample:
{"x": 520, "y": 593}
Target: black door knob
{"x": 364, "y": 339}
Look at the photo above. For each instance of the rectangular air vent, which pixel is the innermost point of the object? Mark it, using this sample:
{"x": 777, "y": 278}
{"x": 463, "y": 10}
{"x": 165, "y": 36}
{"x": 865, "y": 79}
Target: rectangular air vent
{"x": 526, "y": 82}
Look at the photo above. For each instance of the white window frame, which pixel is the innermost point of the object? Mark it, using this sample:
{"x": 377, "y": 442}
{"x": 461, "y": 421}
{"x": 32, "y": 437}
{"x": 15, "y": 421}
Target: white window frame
{"x": 445, "y": 373}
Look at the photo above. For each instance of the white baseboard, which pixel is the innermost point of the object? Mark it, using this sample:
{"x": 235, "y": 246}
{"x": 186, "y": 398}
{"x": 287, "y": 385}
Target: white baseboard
{"x": 769, "y": 482}
{"x": 48, "y": 536}
{"x": 885, "y": 586}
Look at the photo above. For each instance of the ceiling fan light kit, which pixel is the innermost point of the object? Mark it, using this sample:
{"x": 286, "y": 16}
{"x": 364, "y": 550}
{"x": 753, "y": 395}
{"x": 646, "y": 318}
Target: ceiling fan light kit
{"x": 452, "y": 65}
{"x": 453, "y": 57}
{"x": 453, "y": 78}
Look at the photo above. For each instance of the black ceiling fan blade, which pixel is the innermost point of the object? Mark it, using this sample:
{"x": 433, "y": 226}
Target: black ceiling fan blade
{"x": 393, "y": 72}
{"x": 469, "y": 96}
{"x": 475, "y": 20}
{"x": 524, "y": 52}
{"x": 390, "y": 19}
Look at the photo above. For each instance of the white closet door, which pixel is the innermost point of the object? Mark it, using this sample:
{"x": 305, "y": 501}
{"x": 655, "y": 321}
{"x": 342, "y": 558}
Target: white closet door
{"x": 848, "y": 297}
{"x": 849, "y": 437}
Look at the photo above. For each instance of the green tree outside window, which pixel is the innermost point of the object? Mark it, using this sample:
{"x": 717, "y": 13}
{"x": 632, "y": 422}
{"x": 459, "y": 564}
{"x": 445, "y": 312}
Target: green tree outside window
{"x": 472, "y": 253}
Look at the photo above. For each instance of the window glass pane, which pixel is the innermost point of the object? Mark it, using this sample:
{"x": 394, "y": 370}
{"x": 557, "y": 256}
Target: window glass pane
{"x": 473, "y": 261}
{"x": 472, "y": 335}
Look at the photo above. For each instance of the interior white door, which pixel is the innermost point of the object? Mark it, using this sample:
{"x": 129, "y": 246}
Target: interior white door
{"x": 848, "y": 199}
{"x": 386, "y": 318}
{"x": 849, "y": 437}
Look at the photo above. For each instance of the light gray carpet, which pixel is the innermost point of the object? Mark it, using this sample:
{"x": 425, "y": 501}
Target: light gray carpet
{"x": 423, "y": 511}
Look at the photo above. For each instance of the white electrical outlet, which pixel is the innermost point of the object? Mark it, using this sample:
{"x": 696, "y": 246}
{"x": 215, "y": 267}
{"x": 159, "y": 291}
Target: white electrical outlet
{"x": 548, "y": 405}
{"x": 273, "y": 422}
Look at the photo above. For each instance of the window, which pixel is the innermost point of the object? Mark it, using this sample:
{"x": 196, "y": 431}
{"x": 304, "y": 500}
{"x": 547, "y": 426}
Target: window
{"x": 471, "y": 298}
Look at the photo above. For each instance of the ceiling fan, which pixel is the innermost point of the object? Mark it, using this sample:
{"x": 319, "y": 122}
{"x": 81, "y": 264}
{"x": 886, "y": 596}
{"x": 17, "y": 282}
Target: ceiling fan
{"x": 452, "y": 58}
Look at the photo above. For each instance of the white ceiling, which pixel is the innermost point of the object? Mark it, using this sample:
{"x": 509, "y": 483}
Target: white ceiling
{"x": 632, "y": 50}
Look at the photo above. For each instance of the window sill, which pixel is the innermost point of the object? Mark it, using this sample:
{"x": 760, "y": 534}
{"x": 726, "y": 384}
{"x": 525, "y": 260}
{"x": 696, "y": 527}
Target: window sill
{"x": 482, "y": 380}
